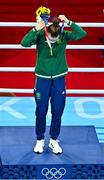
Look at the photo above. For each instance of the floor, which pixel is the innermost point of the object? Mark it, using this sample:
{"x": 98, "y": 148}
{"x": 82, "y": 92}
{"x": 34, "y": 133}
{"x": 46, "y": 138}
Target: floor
{"x": 79, "y": 111}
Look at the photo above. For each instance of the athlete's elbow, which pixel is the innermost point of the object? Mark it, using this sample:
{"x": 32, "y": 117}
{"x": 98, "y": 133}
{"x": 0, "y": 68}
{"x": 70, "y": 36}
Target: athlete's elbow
{"x": 24, "y": 44}
{"x": 84, "y": 34}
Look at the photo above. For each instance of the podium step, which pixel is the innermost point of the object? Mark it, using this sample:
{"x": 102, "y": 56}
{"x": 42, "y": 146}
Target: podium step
{"x": 80, "y": 146}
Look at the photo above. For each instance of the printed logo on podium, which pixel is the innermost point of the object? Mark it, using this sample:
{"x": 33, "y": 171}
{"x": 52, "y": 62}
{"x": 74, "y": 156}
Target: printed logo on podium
{"x": 53, "y": 173}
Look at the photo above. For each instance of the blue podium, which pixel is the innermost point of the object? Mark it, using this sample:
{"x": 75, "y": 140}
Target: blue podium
{"x": 81, "y": 158}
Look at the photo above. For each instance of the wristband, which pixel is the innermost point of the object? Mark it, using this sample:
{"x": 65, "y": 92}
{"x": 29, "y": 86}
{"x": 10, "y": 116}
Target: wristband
{"x": 70, "y": 23}
{"x": 34, "y": 29}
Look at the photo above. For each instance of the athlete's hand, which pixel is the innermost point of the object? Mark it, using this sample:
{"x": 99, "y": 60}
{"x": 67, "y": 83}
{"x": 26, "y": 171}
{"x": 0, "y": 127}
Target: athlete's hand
{"x": 63, "y": 18}
{"x": 40, "y": 25}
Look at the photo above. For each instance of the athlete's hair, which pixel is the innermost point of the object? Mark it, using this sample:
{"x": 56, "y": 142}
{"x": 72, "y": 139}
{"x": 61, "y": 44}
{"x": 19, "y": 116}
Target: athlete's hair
{"x": 54, "y": 29}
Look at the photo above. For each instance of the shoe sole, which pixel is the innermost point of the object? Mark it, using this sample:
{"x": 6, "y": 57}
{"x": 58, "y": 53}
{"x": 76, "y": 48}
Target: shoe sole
{"x": 38, "y": 152}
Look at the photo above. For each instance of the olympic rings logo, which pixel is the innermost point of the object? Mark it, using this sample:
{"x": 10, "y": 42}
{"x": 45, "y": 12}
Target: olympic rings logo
{"x": 53, "y": 173}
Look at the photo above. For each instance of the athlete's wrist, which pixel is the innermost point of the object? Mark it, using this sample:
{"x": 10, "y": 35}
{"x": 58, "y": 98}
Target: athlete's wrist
{"x": 70, "y": 22}
{"x": 34, "y": 29}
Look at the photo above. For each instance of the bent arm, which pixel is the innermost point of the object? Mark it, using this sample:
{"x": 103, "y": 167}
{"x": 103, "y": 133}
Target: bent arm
{"x": 76, "y": 33}
{"x": 30, "y": 38}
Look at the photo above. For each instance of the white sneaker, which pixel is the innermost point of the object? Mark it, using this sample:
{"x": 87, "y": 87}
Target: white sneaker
{"x": 54, "y": 145}
{"x": 39, "y": 147}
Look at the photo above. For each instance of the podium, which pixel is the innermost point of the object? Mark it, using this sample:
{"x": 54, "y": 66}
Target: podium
{"x": 82, "y": 155}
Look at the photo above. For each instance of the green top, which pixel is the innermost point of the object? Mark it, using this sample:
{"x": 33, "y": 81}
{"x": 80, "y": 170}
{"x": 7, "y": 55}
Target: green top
{"x": 55, "y": 65}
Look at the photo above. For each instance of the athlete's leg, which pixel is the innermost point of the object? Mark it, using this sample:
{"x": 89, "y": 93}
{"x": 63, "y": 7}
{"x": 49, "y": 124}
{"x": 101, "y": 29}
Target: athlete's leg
{"x": 58, "y": 96}
{"x": 42, "y": 94}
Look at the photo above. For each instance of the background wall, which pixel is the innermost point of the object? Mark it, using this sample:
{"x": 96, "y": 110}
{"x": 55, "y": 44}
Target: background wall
{"x": 78, "y": 11}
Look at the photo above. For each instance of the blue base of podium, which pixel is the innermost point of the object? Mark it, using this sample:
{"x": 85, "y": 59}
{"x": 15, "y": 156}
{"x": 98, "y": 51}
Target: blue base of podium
{"x": 82, "y": 155}
{"x": 77, "y": 171}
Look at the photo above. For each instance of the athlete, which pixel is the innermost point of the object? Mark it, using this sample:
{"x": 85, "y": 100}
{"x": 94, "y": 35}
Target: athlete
{"x": 51, "y": 69}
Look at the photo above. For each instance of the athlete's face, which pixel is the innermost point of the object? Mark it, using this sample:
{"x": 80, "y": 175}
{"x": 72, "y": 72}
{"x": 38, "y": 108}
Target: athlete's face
{"x": 52, "y": 39}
